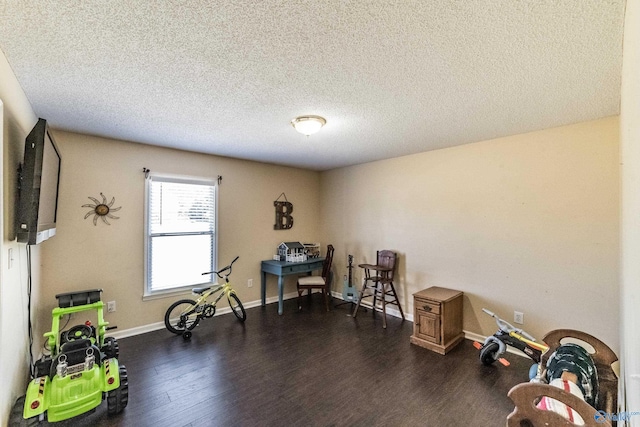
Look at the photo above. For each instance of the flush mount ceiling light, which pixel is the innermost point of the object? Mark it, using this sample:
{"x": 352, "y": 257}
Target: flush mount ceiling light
{"x": 308, "y": 125}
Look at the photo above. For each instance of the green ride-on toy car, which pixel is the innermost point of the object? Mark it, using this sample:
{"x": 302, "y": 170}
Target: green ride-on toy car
{"x": 81, "y": 370}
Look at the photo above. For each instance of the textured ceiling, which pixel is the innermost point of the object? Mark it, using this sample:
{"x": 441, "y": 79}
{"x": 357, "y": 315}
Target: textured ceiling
{"x": 391, "y": 77}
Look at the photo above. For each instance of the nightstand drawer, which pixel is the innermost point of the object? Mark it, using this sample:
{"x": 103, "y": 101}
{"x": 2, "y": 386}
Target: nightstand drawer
{"x": 427, "y": 306}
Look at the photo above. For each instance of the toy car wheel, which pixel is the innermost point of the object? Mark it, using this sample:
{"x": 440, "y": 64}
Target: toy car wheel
{"x": 489, "y": 353}
{"x": 16, "y": 419}
{"x": 117, "y": 399}
{"x": 174, "y": 319}
{"x": 111, "y": 348}
{"x": 237, "y": 308}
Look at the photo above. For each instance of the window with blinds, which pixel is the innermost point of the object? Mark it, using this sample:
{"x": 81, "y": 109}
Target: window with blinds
{"x": 181, "y": 233}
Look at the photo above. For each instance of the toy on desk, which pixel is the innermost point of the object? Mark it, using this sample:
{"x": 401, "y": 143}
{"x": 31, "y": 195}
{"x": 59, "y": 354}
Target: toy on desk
{"x": 297, "y": 252}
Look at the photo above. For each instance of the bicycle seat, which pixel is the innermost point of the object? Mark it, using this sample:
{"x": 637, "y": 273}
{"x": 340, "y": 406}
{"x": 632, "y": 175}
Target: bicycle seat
{"x": 200, "y": 290}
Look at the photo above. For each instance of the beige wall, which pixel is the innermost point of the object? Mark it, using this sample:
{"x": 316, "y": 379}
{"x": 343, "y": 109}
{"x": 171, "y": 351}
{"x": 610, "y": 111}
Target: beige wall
{"x": 630, "y": 159}
{"x": 527, "y": 222}
{"x": 17, "y": 120}
{"x": 110, "y": 257}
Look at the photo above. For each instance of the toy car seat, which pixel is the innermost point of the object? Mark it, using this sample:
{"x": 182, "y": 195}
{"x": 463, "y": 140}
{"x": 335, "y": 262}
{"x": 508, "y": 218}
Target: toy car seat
{"x": 75, "y": 356}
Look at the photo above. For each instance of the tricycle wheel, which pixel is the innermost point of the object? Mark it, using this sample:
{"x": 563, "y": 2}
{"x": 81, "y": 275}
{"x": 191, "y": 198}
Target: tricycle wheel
{"x": 186, "y": 335}
{"x": 489, "y": 353}
{"x": 17, "y": 420}
{"x": 117, "y": 399}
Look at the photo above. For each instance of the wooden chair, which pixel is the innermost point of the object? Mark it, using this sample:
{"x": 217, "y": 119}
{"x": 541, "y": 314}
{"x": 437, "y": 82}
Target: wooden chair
{"x": 379, "y": 284}
{"x": 322, "y": 282}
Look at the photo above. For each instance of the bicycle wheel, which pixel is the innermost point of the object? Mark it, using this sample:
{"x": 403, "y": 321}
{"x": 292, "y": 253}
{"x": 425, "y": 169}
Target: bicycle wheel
{"x": 236, "y": 307}
{"x": 176, "y": 318}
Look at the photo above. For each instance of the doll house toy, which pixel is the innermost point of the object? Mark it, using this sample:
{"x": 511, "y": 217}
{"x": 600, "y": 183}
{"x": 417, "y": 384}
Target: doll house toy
{"x": 297, "y": 252}
{"x": 291, "y": 252}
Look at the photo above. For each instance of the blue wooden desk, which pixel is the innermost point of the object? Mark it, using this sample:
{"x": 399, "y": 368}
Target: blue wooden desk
{"x": 283, "y": 268}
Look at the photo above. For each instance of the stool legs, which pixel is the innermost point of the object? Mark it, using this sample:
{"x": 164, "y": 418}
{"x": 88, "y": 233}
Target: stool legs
{"x": 380, "y": 292}
{"x": 384, "y": 305}
{"x": 395, "y": 297}
{"x": 355, "y": 310}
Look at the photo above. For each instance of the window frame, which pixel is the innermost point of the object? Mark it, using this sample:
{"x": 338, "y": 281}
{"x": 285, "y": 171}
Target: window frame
{"x": 182, "y": 179}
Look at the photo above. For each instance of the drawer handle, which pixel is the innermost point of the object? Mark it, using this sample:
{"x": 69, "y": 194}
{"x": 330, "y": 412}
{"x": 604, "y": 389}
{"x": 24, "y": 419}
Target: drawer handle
{"x": 427, "y": 308}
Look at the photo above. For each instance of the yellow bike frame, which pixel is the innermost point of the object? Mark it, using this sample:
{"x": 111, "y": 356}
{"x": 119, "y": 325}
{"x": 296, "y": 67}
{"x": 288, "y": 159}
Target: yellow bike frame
{"x": 224, "y": 289}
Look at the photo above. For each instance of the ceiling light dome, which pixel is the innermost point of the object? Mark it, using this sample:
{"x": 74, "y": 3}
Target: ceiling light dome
{"x": 308, "y": 125}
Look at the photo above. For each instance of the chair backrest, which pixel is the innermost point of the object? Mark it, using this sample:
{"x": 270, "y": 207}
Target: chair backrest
{"x": 387, "y": 258}
{"x": 326, "y": 267}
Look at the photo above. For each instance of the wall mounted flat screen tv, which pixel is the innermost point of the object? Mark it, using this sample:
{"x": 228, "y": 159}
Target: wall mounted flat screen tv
{"x": 38, "y": 183}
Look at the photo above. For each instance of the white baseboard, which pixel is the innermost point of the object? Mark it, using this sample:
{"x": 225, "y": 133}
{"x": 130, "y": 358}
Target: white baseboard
{"x": 474, "y": 337}
{"x": 160, "y": 325}
{"x": 124, "y": 333}
{"x": 390, "y": 311}
{"x": 224, "y": 310}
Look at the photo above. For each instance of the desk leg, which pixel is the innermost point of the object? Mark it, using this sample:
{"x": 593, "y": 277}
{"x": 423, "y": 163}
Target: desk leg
{"x": 263, "y": 288}
{"x": 280, "y": 293}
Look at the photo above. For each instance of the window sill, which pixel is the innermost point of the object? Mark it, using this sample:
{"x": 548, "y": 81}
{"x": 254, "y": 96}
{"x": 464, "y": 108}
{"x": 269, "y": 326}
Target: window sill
{"x": 167, "y": 294}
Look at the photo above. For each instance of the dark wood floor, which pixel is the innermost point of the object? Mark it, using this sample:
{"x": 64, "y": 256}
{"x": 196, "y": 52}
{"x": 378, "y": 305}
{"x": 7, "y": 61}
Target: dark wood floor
{"x": 308, "y": 368}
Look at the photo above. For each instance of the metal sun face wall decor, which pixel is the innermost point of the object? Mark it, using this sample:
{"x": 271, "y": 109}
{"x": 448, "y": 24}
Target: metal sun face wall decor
{"x": 101, "y": 210}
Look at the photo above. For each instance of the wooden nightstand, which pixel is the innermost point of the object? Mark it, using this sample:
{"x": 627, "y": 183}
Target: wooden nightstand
{"x": 437, "y": 319}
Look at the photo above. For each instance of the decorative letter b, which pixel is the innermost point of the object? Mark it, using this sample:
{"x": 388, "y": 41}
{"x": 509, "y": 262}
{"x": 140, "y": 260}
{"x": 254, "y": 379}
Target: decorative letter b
{"x": 284, "y": 220}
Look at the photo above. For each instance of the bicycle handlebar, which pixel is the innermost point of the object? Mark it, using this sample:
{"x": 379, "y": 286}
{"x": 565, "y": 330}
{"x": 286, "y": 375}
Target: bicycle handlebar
{"x": 228, "y": 267}
{"x": 490, "y": 313}
{"x": 506, "y": 326}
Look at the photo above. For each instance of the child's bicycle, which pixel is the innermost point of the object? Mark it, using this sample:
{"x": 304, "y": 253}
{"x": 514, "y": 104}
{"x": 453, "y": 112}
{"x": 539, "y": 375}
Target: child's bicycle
{"x": 184, "y": 315}
{"x": 496, "y": 345}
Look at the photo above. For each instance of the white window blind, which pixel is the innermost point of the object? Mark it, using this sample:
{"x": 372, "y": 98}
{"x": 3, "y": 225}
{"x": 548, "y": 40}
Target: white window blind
{"x": 181, "y": 233}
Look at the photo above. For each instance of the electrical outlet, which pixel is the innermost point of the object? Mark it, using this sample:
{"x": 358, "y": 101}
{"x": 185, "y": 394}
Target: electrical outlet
{"x": 250, "y": 283}
{"x": 111, "y": 306}
{"x": 518, "y": 317}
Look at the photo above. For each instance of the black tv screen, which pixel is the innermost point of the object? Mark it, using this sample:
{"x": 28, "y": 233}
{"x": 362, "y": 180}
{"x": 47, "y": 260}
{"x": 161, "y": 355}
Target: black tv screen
{"x": 38, "y": 186}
